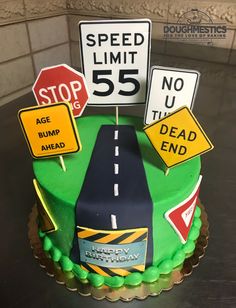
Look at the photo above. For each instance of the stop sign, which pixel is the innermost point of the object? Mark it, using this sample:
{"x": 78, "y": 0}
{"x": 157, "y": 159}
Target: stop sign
{"x": 61, "y": 83}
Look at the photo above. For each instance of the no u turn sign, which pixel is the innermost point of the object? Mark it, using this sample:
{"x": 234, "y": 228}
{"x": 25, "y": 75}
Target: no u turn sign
{"x": 170, "y": 88}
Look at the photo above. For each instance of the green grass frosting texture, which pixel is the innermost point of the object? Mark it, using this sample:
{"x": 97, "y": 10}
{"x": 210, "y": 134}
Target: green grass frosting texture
{"x": 151, "y": 273}
{"x": 60, "y": 192}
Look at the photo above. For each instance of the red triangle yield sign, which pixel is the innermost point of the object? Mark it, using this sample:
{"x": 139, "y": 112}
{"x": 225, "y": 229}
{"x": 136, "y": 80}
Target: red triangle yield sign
{"x": 181, "y": 216}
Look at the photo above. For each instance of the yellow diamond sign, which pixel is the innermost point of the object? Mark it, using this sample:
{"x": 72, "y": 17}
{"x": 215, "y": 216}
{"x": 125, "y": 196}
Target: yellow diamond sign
{"x": 178, "y": 137}
{"x": 50, "y": 130}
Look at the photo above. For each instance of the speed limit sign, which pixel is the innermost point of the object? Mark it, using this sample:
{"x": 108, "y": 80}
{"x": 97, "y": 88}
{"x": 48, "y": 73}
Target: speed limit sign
{"x": 115, "y": 57}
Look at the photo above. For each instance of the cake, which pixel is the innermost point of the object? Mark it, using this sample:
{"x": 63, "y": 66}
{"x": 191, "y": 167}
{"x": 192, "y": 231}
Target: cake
{"x": 110, "y": 210}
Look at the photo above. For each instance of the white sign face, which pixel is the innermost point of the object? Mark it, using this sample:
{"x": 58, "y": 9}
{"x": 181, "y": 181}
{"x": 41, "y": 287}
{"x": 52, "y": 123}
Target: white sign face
{"x": 188, "y": 213}
{"x": 115, "y": 57}
{"x": 170, "y": 89}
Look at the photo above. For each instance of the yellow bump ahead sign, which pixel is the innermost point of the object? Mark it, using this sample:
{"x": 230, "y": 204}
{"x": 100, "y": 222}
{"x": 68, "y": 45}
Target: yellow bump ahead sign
{"x": 50, "y": 130}
{"x": 178, "y": 137}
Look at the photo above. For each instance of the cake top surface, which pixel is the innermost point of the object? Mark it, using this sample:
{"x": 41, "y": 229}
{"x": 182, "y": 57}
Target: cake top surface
{"x": 67, "y": 185}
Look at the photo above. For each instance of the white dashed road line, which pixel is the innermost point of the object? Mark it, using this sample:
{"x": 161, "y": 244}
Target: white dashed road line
{"x": 116, "y": 151}
{"x": 116, "y": 185}
{"x": 113, "y": 221}
{"x": 116, "y": 134}
{"x": 116, "y": 168}
{"x": 116, "y": 190}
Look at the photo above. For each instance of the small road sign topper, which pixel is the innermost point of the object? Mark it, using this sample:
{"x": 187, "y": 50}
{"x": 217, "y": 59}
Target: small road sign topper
{"x": 46, "y": 221}
{"x": 61, "y": 83}
{"x": 115, "y": 57}
{"x": 113, "y": 252}
{"x": 170, "y": 88}
{"x": 178, "y": 137}
{"x": 50, "y": 130}
{"x": 181, "y": 216}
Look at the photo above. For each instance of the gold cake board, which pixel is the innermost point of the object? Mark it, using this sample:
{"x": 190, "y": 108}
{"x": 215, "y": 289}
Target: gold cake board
{"x": 124, "y": 293}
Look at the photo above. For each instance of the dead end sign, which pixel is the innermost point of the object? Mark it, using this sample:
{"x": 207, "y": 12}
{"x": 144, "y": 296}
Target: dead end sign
{"x": 115, "y": 57}
{"x": 61, "y": 83}
{"x": 170, "y": 88}
{"x": 178, "y": 137}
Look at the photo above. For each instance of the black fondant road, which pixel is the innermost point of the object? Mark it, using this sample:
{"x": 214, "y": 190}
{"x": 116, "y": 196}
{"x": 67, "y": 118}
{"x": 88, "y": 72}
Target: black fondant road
{"x": 115, "y": 184}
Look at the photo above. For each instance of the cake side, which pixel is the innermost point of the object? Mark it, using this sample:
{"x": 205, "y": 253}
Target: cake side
{"x": 61, "y": 190}
{"x": 151, "y": 273}
{"x": 166, "y": 192}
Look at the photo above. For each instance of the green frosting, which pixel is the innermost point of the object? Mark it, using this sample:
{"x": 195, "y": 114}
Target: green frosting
{"x": 96, "y": 280}
{"x": 178, "y": 258}
{"x": 114, "y": 282}
{"x": 197, "y": 223}
{"x": 189, "y": 247}
{"x": 151, "y": 274}
{"x": 61, "y": 190}
{"x": 197, "y": 212}
{"x": 166, "y": 266}
{"x": 47, "y": 243}
{"x": 66, "y": 264}
{"x": 41, "y": 234}
{"x": 194, "y": 233}
{"x": 79, "y": 272}
{"x": 55, "y": 254}
{"x": 133, "y": 279}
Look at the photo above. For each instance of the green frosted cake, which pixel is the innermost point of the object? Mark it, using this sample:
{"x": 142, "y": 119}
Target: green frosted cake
{"x": 118, "y": 220}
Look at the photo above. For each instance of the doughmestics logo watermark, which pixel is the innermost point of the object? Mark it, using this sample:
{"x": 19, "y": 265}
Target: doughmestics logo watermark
{"x": 193, "y": 26}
